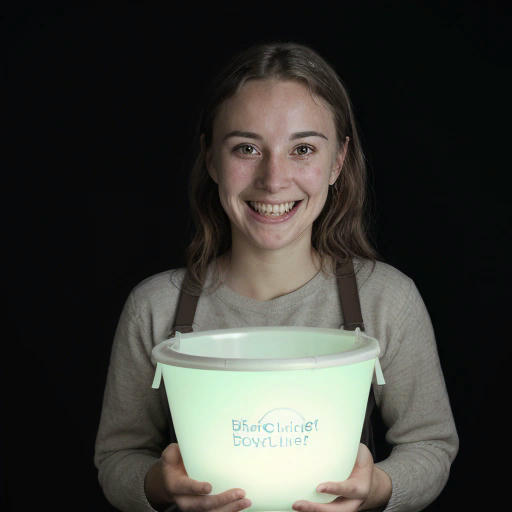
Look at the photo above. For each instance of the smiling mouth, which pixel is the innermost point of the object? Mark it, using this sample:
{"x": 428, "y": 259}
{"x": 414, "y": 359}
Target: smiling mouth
{"x": 269, "y": 210}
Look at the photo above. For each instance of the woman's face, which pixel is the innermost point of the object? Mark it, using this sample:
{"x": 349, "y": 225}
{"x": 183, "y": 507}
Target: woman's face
{"x": 265, "y": 159}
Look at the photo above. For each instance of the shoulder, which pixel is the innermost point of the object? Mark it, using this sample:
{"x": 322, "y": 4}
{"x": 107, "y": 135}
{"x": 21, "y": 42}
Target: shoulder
{"x": 157, "y": 290}
{"x": 385, "y": 291}
{"x": 381, "y": 277}
{"x": 389, "y": 296}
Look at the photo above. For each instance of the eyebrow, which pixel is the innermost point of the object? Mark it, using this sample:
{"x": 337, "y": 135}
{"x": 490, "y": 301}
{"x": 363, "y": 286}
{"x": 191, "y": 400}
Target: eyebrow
{"x": 251, "y": 135}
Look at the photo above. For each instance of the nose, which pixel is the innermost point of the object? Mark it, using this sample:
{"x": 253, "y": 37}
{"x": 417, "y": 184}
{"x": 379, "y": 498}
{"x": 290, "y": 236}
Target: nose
{"x": 273, "y": 174}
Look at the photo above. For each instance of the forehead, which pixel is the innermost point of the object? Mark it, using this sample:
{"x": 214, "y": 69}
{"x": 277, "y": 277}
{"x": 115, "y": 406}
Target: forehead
{"x": 274, "y": 104}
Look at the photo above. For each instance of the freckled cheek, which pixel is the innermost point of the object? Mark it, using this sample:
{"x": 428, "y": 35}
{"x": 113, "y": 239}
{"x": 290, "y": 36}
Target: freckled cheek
{"x": 314, "y": 180}
{"x": 232, "y": 183}
{"x": 235, "y": 172}
{"x": 237, "y": 177}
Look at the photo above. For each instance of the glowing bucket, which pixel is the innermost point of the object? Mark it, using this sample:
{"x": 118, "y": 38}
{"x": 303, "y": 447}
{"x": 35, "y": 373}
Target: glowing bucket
{"x": 272, "y": 410}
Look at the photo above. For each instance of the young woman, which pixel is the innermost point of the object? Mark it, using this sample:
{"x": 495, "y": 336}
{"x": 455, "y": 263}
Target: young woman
{"x": 278, "y": 198}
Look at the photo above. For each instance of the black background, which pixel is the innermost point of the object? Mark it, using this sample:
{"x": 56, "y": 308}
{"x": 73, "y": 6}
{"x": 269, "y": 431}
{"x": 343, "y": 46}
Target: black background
{"x": 102, "y": 105}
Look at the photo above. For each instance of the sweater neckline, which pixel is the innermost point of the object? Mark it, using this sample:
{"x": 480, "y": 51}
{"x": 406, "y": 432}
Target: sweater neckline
{"x": 225, "y": 294}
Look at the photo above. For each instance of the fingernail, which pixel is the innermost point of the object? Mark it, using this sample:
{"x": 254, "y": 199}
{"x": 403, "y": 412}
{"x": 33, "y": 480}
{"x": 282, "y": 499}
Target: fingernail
{"x": 321, "y": 488}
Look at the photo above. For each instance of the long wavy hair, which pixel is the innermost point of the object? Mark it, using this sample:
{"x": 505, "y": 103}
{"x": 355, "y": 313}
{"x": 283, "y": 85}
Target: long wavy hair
{"x": 341, "y": 229}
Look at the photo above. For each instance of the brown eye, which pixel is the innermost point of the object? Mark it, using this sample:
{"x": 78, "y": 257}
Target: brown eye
{"x": 304, "y": 147}
{"x": 243, "y": 149}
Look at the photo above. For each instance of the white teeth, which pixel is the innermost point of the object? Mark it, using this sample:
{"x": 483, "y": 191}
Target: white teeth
{"x": 272, "y": 210}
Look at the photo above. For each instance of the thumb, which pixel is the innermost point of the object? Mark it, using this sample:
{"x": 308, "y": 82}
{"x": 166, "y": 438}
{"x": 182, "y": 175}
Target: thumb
{"x": 364, "y": 457}
{"x": 172, "y": 456}
{"x": 358, "y": 483}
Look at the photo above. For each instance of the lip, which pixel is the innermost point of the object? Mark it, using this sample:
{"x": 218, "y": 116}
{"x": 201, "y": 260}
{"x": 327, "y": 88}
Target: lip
{"x": 272, "y": 220}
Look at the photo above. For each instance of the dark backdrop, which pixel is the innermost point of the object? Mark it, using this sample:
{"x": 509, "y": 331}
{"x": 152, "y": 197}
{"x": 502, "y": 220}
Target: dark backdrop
{"x": 102, "y": 108}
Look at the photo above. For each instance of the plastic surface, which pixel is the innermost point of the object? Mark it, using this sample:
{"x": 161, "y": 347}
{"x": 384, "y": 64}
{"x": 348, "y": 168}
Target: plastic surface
{"x": 272, "y": 410}
{"x": 267, "y": 348}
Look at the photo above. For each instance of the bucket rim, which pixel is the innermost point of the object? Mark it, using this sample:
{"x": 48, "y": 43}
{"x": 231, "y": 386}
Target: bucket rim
{"x": 167, "y": 352}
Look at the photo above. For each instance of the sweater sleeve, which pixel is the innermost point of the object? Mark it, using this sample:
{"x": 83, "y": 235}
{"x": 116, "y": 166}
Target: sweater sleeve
{"x": 414, "y": 405}
{"x": 132, "y": 431}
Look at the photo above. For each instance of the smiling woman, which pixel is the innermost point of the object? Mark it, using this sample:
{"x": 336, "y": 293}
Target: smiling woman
{"x": 278, "y": 197}
{"x": 278, "y": 126}
{"x": 273, "y": 176}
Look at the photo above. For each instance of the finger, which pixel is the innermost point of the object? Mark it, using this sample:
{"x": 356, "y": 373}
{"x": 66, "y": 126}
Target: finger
{"x": 172, "y": 455}
{"x": 337, "y": 505}
{"x": 180, "y": 484}
{"x": 358, "y": 484}
{"x": 189, "y": 493}
{"x": 228, "y": 501}
{"x": 356, "y": 487}
{"x": 364, "y": 457}
{"x": 176, "y": 475}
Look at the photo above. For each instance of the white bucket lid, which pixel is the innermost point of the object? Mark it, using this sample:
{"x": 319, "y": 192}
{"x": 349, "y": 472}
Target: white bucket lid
{"x": 171, "y": 351}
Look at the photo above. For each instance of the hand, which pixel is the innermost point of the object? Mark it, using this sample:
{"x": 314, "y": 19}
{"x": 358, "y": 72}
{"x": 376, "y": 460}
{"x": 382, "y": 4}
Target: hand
{"x": 352, "y": 493}
{"x": 167, "y": 482}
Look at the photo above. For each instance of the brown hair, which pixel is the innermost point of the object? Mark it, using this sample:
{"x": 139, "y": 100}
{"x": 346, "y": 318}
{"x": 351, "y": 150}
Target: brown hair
{"x": 340, "y": 230}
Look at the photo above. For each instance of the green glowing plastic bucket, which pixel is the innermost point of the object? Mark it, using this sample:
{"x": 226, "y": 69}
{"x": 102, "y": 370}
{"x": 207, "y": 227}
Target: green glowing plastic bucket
{"x": 272, "y": 410}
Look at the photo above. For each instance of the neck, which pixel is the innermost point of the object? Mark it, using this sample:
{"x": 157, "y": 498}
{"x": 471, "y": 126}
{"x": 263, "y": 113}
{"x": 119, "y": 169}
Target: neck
{"x": 265, "y": 275}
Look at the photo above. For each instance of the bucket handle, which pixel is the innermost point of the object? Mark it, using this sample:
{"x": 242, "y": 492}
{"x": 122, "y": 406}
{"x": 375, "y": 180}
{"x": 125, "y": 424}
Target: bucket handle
{"x": 158, "y": 376}
{"x": 157, "y": 379}
{"x": 378, "y": 370}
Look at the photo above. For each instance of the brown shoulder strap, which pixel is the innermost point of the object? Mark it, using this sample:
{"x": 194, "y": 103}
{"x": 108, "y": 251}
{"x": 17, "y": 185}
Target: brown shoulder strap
{"x": 349, "y": 296}
{"x": 185, "y": 312}
{"x": 353, "y": 318}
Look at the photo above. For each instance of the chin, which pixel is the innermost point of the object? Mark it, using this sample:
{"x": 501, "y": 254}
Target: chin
{"x": 272, "y": 245}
